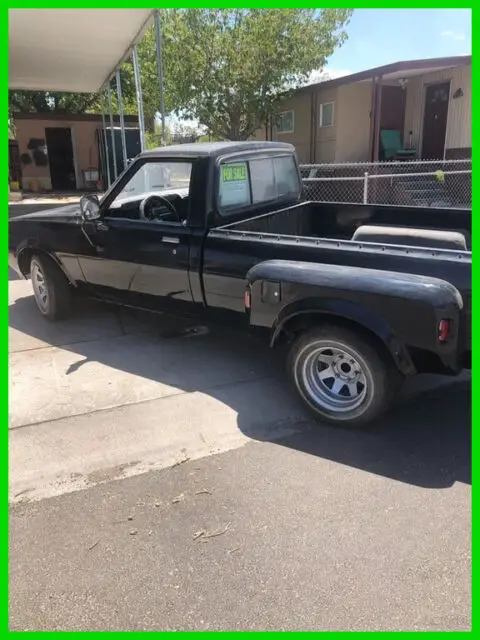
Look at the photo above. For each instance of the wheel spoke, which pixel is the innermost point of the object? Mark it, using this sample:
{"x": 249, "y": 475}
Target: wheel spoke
{"x": 337, "y": 386}
{"x": 325, "y": 359}
{"x": 353, "y": 389}
{"x": 39, "y": 287}
{"x": 326, "y": 373}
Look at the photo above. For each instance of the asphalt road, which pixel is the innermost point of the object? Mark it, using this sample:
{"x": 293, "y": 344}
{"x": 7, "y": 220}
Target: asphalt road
{"x": 321, "y": 530}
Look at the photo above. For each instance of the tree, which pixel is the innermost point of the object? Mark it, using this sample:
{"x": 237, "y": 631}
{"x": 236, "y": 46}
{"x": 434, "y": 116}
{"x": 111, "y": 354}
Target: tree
{"x": 46, "y": 102}
{"x": 230, "y": 68}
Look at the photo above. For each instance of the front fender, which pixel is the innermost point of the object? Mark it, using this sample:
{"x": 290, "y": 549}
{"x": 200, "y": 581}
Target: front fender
{"x": 32, "y": 245}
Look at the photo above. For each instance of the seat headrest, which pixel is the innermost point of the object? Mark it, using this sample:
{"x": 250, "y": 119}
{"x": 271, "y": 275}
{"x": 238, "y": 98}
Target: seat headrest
{"x": 437, "y": 238}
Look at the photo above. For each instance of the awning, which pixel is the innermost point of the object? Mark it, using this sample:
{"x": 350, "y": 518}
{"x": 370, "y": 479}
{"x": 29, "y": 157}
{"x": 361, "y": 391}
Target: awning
{"x": 72, "y": 50}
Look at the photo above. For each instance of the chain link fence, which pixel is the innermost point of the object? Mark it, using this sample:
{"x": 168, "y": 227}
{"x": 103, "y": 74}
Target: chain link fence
{"x": 418, "y": 183}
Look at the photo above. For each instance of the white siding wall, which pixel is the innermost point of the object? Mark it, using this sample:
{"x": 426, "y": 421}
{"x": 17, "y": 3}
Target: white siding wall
{"x": 459, "y": 123}
{"x": 326, "y": 140}
{"x": 354, "y": 103}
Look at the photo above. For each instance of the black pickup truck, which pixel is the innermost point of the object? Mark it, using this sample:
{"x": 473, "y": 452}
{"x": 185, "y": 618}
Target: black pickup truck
{"x": 364, "y": 295}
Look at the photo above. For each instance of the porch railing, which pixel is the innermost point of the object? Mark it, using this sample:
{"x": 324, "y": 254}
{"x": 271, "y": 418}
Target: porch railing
{"x": 421, "y": 183}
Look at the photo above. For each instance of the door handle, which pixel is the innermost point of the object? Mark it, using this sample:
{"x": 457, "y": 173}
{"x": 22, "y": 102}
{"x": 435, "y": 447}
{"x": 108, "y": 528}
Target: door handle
{"x": 170, "y": 240}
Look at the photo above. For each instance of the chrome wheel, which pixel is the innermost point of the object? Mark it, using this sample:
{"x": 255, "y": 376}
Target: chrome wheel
{"x": 40, "y": 287}
{"x": 334, "y": 377}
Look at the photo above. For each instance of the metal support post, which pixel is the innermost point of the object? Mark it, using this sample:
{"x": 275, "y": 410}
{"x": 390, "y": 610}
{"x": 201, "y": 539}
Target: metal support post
{"x": 122, "y": 119}
{"x": 158, "y": 40}
{"x": 112, "y": 131}
{"x": 138, "y": 87}
{"x": 105, "y": 140}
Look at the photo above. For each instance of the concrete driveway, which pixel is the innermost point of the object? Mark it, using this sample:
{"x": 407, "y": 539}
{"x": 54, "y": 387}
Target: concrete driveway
{"x": 304, "y": 527}
{"x": 111, "y": 393}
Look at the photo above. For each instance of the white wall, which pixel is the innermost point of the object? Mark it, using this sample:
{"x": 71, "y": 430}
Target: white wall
{"x": 353, "y": 122}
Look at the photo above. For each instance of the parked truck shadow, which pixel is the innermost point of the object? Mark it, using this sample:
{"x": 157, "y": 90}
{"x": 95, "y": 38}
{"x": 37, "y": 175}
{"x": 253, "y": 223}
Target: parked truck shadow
{"x": 423, "y": 441}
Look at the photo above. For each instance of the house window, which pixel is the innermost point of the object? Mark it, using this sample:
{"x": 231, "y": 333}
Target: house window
{"x": 327, "y": 114}
{"x": 285, "y": 122}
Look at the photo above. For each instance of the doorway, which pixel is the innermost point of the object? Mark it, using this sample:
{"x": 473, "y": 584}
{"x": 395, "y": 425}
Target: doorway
{"x": 435, "y": 121}
{"x": 60, "y": 158}
{"x": 392, "y": 110}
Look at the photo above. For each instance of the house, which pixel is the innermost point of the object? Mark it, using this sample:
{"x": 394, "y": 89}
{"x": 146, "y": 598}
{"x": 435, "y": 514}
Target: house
{"x": 66, "y": 152}
{"x": 341, "y": 120}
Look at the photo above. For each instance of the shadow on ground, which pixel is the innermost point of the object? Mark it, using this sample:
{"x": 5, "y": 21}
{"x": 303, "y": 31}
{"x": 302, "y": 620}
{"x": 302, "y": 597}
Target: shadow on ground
{"x": 424, "y": 440}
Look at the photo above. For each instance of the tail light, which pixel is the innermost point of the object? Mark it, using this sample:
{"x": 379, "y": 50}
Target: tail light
{"x": 247, "y": 298}
{"x": 444, "y": 327}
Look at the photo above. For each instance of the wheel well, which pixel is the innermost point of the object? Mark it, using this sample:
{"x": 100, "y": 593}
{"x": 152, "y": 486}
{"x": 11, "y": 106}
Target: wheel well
{"x": 25, "y": 257}
{"x": 304, "y": 321}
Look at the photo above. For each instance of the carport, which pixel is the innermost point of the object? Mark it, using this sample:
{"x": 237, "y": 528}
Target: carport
{"x": 79, "y": 51}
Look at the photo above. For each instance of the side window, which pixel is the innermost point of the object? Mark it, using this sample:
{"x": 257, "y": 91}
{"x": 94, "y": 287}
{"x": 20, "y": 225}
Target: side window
{"x": 286, "y": 122}
{"x": 263, "y": 180}
{"x": 274, "y": 178}
{"x": 165, "y": 178}
{"x": 234, "y": 188}
{"x": 286, "y": 177}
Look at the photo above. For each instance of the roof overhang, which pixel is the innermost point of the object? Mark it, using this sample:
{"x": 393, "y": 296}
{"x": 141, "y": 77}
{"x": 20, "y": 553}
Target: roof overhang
{"x": 71, "y": 50}
{"x": 393, "y": 72}
{"x": 405, "y": 71}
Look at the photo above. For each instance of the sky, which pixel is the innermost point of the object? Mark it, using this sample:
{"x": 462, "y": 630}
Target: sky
{"x": 381, "y": 36}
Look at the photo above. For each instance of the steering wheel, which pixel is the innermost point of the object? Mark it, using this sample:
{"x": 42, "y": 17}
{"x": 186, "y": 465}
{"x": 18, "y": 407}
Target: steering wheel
{"x": 150, "y": 201}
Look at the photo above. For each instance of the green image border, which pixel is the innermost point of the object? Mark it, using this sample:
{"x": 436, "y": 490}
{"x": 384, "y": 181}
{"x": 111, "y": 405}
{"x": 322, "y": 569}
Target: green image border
{"x": 437, "y": 4}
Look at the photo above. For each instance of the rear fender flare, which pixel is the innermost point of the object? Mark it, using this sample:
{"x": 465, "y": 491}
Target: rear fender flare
{"x": 334, "y": 309}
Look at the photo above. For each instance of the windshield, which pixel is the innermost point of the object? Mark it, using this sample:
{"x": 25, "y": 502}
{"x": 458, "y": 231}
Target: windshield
{"x": 155, "y": 177}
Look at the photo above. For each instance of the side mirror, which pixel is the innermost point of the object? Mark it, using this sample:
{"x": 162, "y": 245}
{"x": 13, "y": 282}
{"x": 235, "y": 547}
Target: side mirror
{"x": 90, "y": 207}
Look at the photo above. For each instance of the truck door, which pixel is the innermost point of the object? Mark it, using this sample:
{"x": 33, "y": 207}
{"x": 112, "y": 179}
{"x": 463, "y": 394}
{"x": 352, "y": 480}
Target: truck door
{"x": 141, "y": 247}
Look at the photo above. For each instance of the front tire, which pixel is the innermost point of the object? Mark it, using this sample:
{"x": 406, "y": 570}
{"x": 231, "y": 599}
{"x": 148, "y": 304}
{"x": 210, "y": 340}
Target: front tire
{"x": 50, "y": 287}
{"x": 344, "y": 377}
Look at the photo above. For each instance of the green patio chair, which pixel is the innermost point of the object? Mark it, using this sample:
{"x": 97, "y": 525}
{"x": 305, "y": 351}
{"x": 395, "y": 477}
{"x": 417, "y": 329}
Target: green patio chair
{"x": 392, "y": 148}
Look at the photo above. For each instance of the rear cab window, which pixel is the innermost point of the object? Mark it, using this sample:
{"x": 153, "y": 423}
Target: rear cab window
{"x": 254, "y": 181}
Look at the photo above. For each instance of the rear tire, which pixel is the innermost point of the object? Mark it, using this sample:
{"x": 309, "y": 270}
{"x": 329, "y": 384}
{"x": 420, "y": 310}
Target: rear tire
{"x": 343, "y": 377}
{"x": 50, "y": 287}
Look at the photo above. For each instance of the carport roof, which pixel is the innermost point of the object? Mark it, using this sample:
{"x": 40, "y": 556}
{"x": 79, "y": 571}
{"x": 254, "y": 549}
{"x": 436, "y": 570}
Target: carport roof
{"x": 74, "y": 50}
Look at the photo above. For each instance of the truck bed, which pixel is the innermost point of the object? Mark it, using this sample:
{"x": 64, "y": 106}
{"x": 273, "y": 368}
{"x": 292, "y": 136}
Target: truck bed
{"x": 339, "y": 221}
{"x": 322, "y": 233}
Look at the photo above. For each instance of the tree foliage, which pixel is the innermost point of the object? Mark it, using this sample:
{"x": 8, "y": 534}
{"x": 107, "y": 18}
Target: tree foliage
{"x": 229, "y": 68}
{"x": 47, "y": 102}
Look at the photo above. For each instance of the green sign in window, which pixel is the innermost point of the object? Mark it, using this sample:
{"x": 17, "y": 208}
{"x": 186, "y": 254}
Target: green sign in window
{"x": 234, "y": 172}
